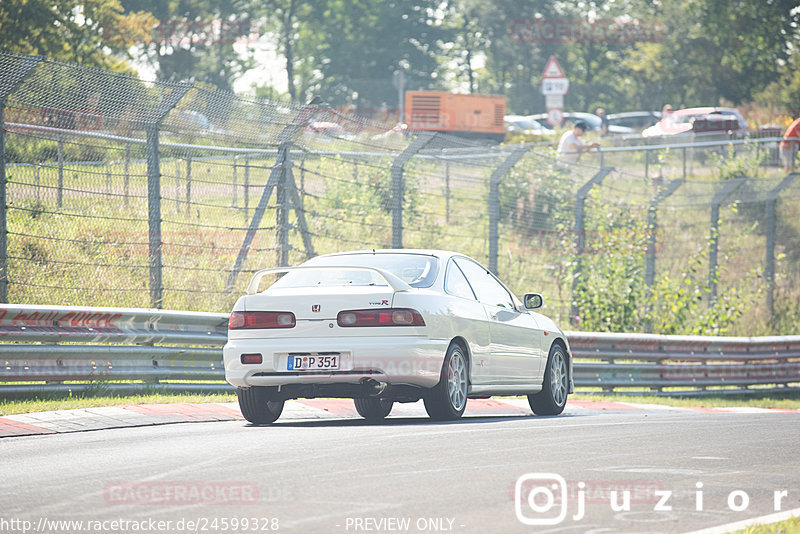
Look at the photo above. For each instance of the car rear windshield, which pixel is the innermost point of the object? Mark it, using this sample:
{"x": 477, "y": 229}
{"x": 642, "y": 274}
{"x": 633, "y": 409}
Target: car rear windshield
{"x": 417, "y": 270}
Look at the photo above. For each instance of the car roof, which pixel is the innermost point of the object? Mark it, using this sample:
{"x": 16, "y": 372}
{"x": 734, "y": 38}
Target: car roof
{"x": 706, "y": 110}
{"x": 625, "y": 114}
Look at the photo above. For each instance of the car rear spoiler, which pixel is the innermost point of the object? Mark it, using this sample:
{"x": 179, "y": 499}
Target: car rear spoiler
{"x": 392, "y": 280}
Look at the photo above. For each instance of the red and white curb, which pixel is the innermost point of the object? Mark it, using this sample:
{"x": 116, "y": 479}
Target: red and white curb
{"x": 64, "y": 421}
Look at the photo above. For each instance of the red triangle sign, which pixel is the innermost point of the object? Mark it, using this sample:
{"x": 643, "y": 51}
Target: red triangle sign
{"x": 553, "y": 69}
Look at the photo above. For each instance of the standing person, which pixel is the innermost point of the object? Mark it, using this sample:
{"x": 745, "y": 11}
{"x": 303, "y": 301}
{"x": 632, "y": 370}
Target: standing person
{"x": 603, "y": 121}
{"x": 571, "y": 145}
{"x": 788, "y": 147}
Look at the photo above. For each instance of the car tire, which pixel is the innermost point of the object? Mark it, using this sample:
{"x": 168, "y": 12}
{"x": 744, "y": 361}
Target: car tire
{"x": 448, "y": 399}
{"x": 555, "y": 387}
{"x": 257, "y": 406}
{"x": 373, "y": 408}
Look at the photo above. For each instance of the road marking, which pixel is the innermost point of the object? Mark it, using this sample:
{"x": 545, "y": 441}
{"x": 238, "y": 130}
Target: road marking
{"x": 649, "y": 470}
{"x": 741, "y": 525}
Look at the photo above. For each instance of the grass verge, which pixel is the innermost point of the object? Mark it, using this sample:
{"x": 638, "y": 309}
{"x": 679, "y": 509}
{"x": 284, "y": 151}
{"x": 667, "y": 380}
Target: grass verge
{"x": 790, "y": 526}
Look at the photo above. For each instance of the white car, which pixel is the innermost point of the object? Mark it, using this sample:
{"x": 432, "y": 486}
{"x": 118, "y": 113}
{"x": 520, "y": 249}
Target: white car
{"x": 389, "y": 326}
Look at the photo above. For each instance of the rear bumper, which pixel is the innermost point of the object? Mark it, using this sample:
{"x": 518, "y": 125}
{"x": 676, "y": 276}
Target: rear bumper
{"x": 411, "y": 360}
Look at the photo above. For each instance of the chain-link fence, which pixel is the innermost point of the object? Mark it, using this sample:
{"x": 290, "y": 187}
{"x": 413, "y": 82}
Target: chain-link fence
{"x": 121, "y": 192}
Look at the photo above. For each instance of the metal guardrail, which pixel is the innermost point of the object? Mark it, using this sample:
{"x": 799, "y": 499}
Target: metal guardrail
{"x": 99, "y": 347}
{"x": 51, "y": 349}
{"x": 684, "y": 364}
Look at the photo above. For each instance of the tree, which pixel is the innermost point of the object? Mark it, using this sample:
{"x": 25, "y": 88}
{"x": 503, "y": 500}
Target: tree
{"x": 360, "y": 43}
{"x": 286, "y": 21}
{"x": 716, "y": 49}
{"x": 86, "y": 32}
{"x": 193, "y": 40}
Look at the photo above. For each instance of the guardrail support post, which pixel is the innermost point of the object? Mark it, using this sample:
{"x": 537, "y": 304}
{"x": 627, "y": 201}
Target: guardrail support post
{"x": 719, "y": 198}
{"x": 168, "y": 101}
{"x": 580, "y": 234}
{"x": 397, "y": 185}
{"x": 494, "y": 201}
{"x": 769, "y": 270}
{"x": 15, "y": 69}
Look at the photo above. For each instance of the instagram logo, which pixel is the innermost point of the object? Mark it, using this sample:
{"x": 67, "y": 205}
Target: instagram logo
{"x": 540, "y": 499}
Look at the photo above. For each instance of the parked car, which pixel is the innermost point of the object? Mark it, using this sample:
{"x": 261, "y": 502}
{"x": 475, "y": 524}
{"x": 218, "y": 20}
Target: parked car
{"x": 703, "y": 121}
{"x": 593, "y": 121}
{"x": 389, "y": 326}
{"x": 525, "y": 125}
{"x": 635, "y": 120}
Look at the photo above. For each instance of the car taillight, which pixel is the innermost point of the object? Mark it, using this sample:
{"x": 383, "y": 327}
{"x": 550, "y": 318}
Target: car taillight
{"x": 252, "y": 358}
{"x": 261, "y": 319}
{"x": 380, "y": 317}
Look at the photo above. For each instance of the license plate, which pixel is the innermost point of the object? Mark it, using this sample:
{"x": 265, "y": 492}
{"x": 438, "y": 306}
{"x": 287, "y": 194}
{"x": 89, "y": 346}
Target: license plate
{"x": 313, "y": 363}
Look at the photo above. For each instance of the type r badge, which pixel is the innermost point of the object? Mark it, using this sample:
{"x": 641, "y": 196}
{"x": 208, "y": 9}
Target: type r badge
{"x": 316, "y": 308}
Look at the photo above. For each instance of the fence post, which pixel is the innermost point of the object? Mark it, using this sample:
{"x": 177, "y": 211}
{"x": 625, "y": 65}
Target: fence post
{"x": 275, "y": 177}
{"x": 769, "y": 270}
{"x": 285, "y": 138}
{"x": 447, "y": 192}
{"x": 235, "y": 181}
{"x": 652, "y": 230}
{"x": 127, "y": 171}
{"x": 37, "y": 180}
{"x": 188, "y": 183}
{"x": 246, "y": 187}
{"x": 154, "y": 217}
{"x": 397, "y": 185}
{"x": 60, "y": 152}
{"x": 719, "y": 198}
{"x": 684, "y": 163}
{"x": 282, "y": 213}
{"x": 494, "y": 202}
{"x": 168, "y": 101}
{"x": 14, "y": 69}
{"x": 296, "y": 202}
{"x": 580, "y": 234}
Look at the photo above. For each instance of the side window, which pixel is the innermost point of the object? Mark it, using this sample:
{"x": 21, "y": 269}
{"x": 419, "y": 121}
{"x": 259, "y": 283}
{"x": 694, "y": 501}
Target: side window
{"x": 456, "y": 283}
{"x": 487, "y": 288}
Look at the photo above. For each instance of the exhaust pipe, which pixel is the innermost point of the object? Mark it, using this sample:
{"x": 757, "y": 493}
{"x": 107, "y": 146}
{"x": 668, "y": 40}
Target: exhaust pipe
{"x": 375, "y": 388}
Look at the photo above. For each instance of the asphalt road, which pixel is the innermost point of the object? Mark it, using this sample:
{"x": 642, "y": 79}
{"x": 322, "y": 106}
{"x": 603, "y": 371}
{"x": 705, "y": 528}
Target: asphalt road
{"x": 405, "y": 474}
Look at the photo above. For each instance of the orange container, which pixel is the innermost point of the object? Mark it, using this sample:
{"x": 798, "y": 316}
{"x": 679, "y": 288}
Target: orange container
{"x": 476, "y": 116}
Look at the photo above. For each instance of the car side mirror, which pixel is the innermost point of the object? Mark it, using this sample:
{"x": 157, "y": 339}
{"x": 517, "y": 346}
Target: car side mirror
{"x": 532, "y": 301}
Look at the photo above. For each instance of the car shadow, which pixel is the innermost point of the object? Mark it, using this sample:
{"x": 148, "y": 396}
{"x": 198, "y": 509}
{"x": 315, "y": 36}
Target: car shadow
{"x": 411, "y": 421}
